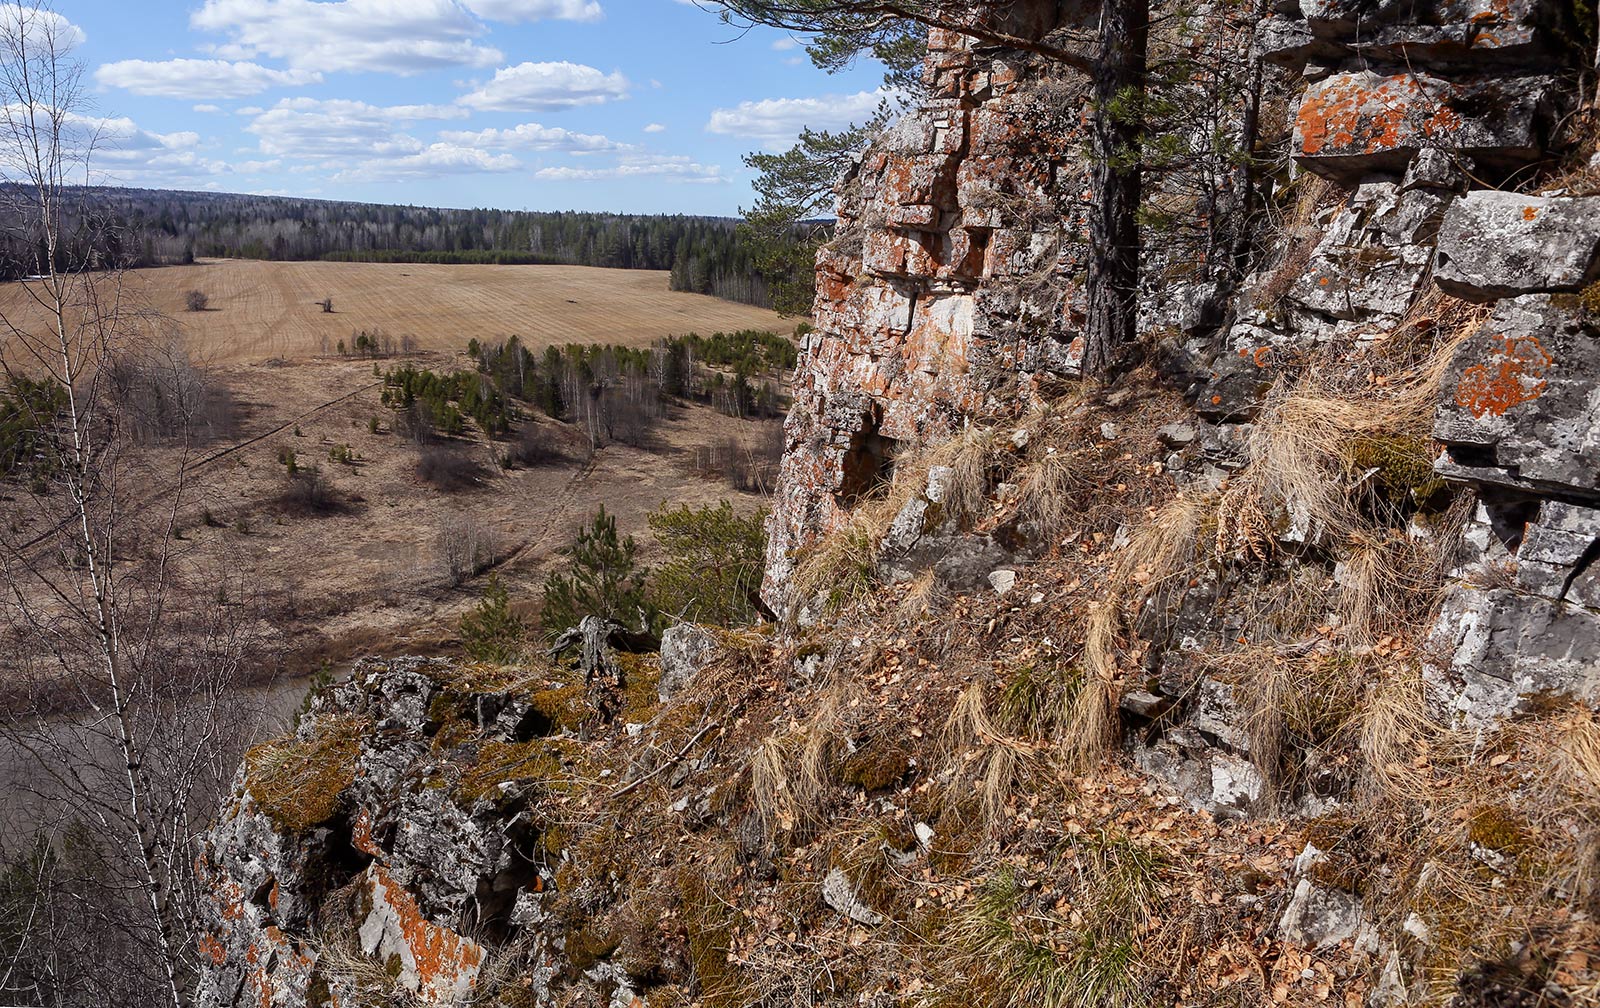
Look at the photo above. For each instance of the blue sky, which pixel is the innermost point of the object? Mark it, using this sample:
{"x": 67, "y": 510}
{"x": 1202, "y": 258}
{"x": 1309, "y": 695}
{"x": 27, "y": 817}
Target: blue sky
{"x": 639, "y": 106}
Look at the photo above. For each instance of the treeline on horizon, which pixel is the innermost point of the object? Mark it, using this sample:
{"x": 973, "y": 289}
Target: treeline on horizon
{"x": 133, "y": 228}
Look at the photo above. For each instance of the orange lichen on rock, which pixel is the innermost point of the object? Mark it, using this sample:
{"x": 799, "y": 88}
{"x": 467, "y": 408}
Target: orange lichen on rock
{"x": 361, "y": 835}
{"x": 212, "y": 949}
{"x": 438, "y": 963}
{"x": 1514, "y": 374}
{"x": 1366, "y": 114}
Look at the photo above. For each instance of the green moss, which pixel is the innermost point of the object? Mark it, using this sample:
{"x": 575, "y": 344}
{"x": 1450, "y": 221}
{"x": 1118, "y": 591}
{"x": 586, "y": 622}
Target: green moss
{"x": 562, "y": 706}
{"x": 1402, "y": 465}
{"x": 709, "y": 923}
{"x": 504, "y": 762}
{"x": 875, "y": 766}
{"x": 1589, "y": 300}
{"x": 588, "y": 945}
{"x": 453, "y": 733}
{"x": 641, "y": 675}
{"x": 298, "y": 783}
{"x": 1500, "y": 829}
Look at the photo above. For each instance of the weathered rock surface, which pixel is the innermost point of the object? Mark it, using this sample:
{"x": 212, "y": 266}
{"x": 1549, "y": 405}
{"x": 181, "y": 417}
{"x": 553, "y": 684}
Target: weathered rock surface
{"x": 1498, "y": 245}
{"x": 686, "y": 649}
{"x": 412, "y": 868}
{"x": 952, "y": 276}
{"x": 1362, "y": 121}
{"x": 1522, "y": 408}
{"x": 1512, "y": 653}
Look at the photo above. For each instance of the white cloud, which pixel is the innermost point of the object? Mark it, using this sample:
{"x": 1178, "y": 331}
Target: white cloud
{"x": 194, "y": 78}
{"x": 119, "y": 151}
{"x": 672, "y": 167}
{"x": 339, "y": 128}
{"x": 537, "y": 86}
{"x": 390, "y": 36}
{"x": 784, "y": 44}
{"x": 41, "y": 27}
{"x": 209, "y": 109}
{"x": 782, "y": 119}
{"x": 533, "y": 136}
{"x": 430, "y": 162}
{"x": 536, "y": 10}
{"x": 655, "y": 128}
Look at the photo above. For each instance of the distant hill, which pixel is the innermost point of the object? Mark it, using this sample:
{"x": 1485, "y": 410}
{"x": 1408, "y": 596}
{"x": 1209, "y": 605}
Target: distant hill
{"x": 156, "y": 227}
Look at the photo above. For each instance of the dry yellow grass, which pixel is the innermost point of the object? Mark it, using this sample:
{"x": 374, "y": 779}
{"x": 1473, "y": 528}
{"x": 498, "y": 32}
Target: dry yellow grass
{"x": 264, "y": 310}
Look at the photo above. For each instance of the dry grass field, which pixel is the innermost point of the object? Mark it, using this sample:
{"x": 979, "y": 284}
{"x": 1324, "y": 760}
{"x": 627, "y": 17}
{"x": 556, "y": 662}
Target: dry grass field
{"x": 367, "y": 577}
{"x": 269, "y": 310}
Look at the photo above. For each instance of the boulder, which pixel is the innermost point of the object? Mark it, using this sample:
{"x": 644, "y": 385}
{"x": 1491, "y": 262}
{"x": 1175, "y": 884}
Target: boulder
{"x": 1359, "y": 122}
{"x": 1521, "y": 408}
{"x": 1318, "y": 916}
{"x": 1500, "y": 244}
{"x": 686, "y": 649}
{"x": 1510, "y": 653}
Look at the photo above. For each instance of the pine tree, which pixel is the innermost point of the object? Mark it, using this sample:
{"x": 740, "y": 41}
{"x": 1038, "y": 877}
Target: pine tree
{"x": 491, "y": 631}
{"x": 601, "y": 579}
{"x": 715, "y": 561}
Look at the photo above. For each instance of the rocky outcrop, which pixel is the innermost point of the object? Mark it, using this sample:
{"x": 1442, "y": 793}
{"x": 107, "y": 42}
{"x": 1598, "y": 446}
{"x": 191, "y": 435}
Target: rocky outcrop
{"x": 950, "y": 299}
{"x": 408, "y": 864}
{"x": 953, "y": 277}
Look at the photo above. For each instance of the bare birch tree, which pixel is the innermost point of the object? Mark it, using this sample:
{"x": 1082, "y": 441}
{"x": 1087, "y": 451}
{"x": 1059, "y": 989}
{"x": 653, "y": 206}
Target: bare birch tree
{"x": 120, "y": 720}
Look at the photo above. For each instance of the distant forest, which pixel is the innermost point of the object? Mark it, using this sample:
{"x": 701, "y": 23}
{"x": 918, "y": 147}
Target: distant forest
{"x": 151, "y": 227}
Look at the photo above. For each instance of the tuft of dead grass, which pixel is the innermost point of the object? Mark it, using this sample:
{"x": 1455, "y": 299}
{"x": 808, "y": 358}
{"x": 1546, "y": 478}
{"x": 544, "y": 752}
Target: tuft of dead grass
{"x": 1304, "y": 488}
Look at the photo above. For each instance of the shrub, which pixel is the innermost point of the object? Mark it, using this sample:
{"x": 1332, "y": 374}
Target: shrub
{"x": 195, "y": 301}
{"x": 715, "y": 560}
{"x": 308, "y": 491}
{"x": 491, "y": 631}
{"x": 160, "y": 396}
{"x": 601, "y": 579}
{"x": 466, "y": 549}
{"x": 447, "y": 469}
{"x": 535, "y": 444}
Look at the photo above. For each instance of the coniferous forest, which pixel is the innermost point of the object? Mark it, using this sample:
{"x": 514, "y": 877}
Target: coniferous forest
{"x": 149, "y": 227}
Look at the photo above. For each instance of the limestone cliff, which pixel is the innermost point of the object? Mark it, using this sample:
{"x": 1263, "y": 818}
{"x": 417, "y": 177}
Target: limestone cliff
{"x": 1266, "y": 672}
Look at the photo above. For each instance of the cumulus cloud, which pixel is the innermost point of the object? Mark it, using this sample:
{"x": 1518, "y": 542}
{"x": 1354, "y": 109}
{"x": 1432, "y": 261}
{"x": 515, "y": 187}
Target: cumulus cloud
{"x": 360, "y": 35}
{"x": 119, "y": 151}
{"x": 208, "y": 109}
{"x": 543, "y": 86}
{"x": 42, "y": 28}
{"x": 670, "y": 167}
{"x": 782, "y": 119}
{"x": 430, "y": 162}
{"x": 193, "y": 78}
{"x": 533, "y": 136}
{"x": 655, "y": 128}
{"x": 536, "y": 10}
{"x": 339, "y": 127}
